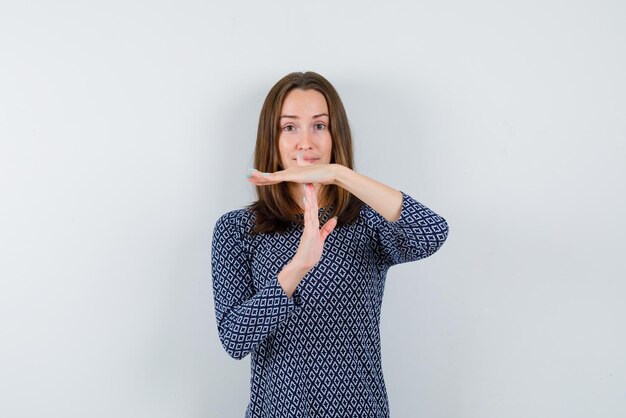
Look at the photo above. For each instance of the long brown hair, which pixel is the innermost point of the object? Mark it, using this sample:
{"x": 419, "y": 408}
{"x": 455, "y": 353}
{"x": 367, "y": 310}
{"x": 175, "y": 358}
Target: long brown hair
{"x": 275, "y": 208}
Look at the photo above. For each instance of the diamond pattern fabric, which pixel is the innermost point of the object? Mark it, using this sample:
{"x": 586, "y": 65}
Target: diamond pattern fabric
{"x": 316, "y": 354}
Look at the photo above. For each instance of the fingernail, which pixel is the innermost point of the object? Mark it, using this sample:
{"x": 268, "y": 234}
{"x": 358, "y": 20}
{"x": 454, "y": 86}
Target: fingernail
{"x": 304, "y": 200}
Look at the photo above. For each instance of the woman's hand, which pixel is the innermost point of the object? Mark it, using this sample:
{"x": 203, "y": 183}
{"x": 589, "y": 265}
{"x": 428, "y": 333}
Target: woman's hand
{"x": 312, "y": 242}
{"x": 303, "y": 173}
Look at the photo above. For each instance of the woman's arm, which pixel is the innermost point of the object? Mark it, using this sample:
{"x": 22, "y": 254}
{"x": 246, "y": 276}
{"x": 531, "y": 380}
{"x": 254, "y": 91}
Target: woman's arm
{"x": 383, "y": 199}
{"x": 245, "y": 316}
{"x": 409, "y": 231}
{"x": 406, "y": 229}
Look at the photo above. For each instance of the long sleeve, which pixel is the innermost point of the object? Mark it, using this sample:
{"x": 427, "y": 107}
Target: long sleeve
{"x": 418, "y": 233}
{"x": 245, "y": 316}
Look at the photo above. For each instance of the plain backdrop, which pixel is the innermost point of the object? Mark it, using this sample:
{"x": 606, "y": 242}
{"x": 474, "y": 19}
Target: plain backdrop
{"x": 127, "y": 128}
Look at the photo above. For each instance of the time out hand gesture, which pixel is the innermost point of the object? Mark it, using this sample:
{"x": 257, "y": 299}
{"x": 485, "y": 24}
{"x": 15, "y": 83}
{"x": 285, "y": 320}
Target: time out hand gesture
{"x": 313, "y": 238}
{"x": 311, "y": 244}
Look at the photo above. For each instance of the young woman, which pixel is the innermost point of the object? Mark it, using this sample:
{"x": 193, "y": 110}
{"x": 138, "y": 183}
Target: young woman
{"x": 298, "y": 276}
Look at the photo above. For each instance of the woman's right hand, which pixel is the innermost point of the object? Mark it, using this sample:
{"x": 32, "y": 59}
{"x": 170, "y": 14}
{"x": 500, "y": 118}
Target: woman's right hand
{"x": 312, "y": 241}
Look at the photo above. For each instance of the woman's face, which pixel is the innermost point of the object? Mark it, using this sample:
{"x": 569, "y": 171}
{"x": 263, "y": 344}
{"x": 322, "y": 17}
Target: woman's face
{"x": 304, "y": 129}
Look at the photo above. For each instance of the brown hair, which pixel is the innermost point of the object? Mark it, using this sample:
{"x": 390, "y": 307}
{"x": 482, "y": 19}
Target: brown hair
{"x": 275, "y": 208}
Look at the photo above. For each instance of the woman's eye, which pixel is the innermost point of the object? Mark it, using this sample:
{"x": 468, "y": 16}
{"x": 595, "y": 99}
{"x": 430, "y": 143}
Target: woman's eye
{"x": 289, "y": 128}
{"x": 320, "y": 126}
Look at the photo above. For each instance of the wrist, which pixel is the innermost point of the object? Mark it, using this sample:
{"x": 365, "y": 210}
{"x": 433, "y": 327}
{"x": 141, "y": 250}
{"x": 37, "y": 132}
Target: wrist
{"x": 289, "y": 278}
{"x": 340, "y": 174}
{"x": 297, "y": 268}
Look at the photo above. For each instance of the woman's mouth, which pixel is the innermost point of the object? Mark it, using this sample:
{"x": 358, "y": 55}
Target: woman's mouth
{"x": 307, "y": 159}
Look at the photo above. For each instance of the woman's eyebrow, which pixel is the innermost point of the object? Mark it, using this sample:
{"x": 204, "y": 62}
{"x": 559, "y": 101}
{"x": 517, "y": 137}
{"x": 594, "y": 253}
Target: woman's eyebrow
{"x": 297, "y": 117}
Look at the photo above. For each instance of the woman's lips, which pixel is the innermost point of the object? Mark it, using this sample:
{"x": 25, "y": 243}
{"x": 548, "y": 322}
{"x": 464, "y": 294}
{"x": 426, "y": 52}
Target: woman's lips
{"x": 309, "y": 160}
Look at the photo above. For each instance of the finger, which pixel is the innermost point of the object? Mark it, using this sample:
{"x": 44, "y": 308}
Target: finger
{"x": 308, "y": 206}
{"x": 259, "y": 178}
{"x": 328, "y": 228}
{"x": 304, "y": 198}
{"x": 300, "y": 159}
{"x": 314, "y": 208}
{"x": 310, "y": 211}
{"x": 253, "y": 172}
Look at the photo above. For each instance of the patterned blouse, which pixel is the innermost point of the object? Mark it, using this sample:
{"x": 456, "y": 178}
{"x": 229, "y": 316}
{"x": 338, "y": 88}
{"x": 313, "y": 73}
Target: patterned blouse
{"x": 316, "y": 354}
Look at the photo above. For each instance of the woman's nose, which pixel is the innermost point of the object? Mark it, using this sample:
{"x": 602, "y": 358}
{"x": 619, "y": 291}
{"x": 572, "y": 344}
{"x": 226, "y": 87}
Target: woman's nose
{"x": 305, "y": 141}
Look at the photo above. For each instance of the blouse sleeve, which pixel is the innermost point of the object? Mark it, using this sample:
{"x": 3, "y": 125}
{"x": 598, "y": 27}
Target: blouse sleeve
{"x": 417, "y": 234}
{"x": 245, "y": 316}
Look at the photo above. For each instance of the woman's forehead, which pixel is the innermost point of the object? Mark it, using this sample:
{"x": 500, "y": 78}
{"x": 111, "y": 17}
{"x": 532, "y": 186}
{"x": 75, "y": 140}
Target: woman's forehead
{"x": 304, "y": 103}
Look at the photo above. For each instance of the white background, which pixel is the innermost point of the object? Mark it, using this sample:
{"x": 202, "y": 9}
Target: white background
{"x": 127, "y": 128}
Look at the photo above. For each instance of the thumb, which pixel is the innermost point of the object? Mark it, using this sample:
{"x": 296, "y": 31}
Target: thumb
{"x": 328, "y": 227}
{"x": 300, "y": 159}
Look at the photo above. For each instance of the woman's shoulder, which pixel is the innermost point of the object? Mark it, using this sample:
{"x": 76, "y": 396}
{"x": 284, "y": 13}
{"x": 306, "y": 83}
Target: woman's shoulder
{"x": 240, "y": 220}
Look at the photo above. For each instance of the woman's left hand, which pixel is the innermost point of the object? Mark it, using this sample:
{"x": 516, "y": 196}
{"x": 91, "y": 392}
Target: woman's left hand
{"x": 313, "y": 173}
